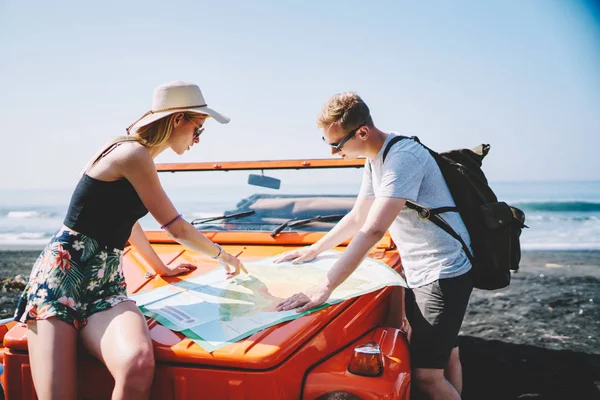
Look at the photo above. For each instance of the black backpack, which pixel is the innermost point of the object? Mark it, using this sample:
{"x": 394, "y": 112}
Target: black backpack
{"x": 494, "y": 226}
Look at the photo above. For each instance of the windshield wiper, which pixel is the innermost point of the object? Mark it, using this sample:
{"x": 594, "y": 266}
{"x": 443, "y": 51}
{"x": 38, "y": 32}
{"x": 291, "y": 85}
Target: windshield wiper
{"x": 299, "y": 222}
{"x": 220, "y": 217}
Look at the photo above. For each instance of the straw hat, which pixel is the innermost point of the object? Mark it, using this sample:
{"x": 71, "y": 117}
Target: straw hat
{"x": 174, "y": 97}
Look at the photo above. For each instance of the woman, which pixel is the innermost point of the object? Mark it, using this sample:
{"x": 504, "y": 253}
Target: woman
{"x": 76, "y": 290}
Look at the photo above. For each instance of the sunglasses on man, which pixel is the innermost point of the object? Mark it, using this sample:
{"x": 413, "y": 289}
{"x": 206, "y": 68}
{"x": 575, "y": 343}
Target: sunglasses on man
{"x": 338, "y": 146}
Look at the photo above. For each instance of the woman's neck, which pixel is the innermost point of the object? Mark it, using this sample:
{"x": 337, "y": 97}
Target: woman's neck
{"x": 156, "y": 150}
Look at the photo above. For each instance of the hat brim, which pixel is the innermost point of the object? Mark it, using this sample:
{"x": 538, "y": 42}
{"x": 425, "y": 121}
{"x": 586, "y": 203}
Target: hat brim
{"x": 148, "y": 119}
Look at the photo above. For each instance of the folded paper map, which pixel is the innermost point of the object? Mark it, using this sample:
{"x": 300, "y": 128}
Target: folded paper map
{"x": 215, "y": 312}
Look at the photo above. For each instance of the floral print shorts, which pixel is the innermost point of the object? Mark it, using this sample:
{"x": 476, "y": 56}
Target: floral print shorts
{"x": 73, "y": 278}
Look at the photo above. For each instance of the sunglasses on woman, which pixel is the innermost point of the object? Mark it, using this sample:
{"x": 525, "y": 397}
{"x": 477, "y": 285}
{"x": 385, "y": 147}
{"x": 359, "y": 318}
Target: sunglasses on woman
{"x": 199, "y": 129}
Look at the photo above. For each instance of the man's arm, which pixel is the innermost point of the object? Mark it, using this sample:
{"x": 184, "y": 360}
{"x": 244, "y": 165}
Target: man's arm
{"x": 380, "y": 217}
{"x": 343, "y": 230}
{"x": 347, "y": 227}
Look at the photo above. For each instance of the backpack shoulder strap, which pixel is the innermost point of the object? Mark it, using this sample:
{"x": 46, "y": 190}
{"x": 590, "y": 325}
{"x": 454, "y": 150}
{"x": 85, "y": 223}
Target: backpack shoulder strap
{"x": 436, "y": 219}
{"x": 431, "y": 214}
{"x": 391, "y": 143}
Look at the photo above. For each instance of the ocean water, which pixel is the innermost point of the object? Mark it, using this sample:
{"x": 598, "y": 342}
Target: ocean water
{"x": 560, "y": 215}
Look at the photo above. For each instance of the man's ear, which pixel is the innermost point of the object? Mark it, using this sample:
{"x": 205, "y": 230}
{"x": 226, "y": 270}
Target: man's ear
{"x": 363, "y": 132}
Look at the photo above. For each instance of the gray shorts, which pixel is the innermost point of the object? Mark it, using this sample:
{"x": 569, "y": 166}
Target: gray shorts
{"x": 435, "y": 312}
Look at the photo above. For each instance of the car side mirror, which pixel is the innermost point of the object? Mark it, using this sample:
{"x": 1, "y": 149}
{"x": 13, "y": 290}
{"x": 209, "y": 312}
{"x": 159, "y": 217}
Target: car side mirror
{"x": 264, "y": 181}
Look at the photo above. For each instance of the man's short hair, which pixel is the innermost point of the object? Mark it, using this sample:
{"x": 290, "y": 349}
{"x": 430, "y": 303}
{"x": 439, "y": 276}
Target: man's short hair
{"x": 347, "y": 110}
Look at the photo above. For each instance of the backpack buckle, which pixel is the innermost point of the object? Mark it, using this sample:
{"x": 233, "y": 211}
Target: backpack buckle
{"x": 424, "y": 214}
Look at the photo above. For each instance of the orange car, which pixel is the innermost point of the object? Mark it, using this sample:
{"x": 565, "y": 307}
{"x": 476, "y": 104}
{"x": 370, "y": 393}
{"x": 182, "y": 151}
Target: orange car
{"x": 344, "y": 351}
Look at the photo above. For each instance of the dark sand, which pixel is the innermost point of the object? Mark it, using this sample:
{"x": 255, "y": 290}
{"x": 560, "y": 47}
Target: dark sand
{"x": 536, "y": 339}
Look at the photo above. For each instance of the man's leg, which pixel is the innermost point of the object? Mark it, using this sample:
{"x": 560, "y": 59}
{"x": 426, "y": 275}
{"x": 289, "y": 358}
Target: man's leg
{"x": 453, "y": 371}
{"x": 436, "y": 312}
{"x": 431, "y": 384}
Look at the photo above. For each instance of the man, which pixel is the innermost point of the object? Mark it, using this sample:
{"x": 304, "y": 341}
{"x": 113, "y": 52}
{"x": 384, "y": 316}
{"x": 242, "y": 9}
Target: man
{"x": 435, "y": 265}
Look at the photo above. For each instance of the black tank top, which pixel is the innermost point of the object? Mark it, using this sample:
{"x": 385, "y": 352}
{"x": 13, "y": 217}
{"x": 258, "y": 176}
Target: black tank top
{"x": 105, "y": 210}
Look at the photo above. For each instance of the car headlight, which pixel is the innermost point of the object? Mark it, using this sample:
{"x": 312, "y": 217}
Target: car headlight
{"x": 366, "y": 360}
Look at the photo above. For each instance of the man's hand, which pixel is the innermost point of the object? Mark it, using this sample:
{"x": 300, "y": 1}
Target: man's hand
{"x": 298, "y": 256}
{"x": 309, "y": 299}
{"x": 406, "y": 328}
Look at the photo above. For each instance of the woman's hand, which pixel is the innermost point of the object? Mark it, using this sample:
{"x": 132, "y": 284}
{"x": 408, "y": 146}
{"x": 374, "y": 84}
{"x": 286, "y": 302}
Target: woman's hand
{"x": 179, "y": 269}
{"x": 233, "y": 266}
{"x": 311, "y": 298}
{"x": 298, "y": 256}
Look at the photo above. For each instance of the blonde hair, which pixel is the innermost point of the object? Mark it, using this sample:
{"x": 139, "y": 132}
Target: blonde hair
{"x": 159, "y": 131}
{"x": 153, "y": 134}
{"x": 347, "y": 110}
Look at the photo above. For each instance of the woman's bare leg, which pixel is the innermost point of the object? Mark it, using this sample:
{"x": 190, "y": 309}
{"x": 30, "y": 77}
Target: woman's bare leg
{"x": 52, "y": 348}
{"x": 119, "y": 338}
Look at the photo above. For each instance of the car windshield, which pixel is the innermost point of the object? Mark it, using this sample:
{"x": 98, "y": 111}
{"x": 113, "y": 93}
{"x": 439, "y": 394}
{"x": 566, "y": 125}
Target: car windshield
{"x": 220, "y": 200}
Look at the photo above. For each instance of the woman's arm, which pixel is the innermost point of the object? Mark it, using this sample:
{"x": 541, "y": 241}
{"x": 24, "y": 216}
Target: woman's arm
{"x": 139, "y": 240}
{"x": 136, "y": 165}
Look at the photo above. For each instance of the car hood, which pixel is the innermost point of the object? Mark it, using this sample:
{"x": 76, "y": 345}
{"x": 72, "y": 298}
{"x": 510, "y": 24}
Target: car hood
{"x": 262, "y": 350}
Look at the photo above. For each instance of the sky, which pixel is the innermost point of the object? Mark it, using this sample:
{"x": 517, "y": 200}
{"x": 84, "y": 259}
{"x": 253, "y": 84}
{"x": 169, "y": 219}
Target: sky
{"x": 523, "y": 76}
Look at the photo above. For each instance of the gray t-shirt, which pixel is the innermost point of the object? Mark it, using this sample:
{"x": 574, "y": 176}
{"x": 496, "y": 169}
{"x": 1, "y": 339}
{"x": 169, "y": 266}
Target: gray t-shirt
{"x": 410, "y": 172}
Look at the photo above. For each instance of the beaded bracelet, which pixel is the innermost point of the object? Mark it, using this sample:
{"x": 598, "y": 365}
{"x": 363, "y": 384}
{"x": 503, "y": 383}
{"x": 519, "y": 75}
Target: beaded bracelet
{"x": 177, "y": 218}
